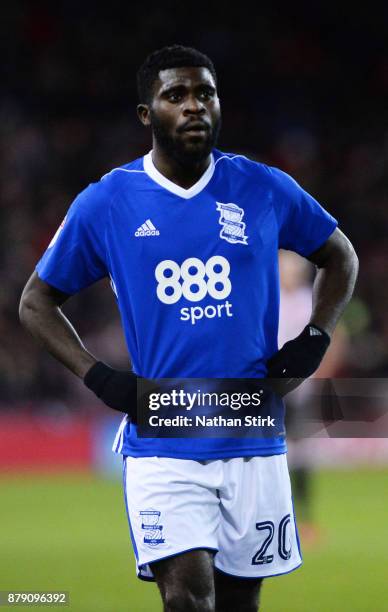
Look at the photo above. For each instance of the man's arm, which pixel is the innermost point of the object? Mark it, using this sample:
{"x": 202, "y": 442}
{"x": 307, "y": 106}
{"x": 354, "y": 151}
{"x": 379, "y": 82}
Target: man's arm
{"x": 337, "y": 265}
{"x": 299, "y": 358}
{"x": 40, "y": 313}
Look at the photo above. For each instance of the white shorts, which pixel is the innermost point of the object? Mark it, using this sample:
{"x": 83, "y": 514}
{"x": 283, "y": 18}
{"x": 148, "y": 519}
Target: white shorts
{"x": 240, "y": 508}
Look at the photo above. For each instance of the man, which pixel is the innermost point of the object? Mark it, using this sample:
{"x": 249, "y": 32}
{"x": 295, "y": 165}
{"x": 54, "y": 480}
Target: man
{"x": 189, "y": 237}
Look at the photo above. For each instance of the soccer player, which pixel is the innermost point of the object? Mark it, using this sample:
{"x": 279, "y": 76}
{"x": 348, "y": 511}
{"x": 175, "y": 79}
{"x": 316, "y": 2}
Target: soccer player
{"x": 189, "y": 237}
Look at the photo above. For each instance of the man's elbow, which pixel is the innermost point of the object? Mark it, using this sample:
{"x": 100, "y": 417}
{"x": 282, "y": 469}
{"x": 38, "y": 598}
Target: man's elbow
{"x": 342, "y": 255}
{"x": 36, "y": 300}
{"x": 350, "y": 259}
{"x": 27, "y": 306}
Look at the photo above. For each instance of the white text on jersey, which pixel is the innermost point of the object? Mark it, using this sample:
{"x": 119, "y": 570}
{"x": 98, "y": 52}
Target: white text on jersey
{"x": 194, "y": 280}
{"x": 147, "y": 229}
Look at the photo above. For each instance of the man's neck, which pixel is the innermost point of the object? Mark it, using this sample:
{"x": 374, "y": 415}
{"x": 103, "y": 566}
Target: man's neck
{"x": 184, "y": 176}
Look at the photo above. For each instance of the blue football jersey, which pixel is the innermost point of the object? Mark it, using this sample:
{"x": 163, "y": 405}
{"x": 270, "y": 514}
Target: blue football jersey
{"x": 195, "y": 273}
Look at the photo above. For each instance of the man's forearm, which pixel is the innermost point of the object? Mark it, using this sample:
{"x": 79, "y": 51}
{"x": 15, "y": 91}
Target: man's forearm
{"x": 47, "y": 323}
{"x": 334, "y": 284}
{"x": 40, "y": 312}
{"x": 331, "y": 293}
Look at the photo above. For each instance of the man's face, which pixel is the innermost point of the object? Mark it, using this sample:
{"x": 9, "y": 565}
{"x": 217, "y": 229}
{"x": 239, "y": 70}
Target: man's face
{"x": 184, "y": 113}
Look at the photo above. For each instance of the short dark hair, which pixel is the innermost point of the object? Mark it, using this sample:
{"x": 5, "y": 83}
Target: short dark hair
{"x": 175, "y": 56}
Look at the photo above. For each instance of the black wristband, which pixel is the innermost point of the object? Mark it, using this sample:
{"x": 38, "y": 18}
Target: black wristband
{"x": 299, "y": 358}
{"x": 96, "y": 378}
{"x": 116, "y": 388}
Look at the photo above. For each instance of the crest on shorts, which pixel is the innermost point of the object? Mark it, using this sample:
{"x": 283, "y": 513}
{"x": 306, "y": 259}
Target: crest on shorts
{"x": 233, "y": 227}
{"x": 150, "y": 524}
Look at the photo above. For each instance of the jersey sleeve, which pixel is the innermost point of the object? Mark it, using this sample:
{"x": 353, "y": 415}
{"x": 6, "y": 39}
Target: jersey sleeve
{"x": 304, "y": 225}
{"x": 75, "y": 257}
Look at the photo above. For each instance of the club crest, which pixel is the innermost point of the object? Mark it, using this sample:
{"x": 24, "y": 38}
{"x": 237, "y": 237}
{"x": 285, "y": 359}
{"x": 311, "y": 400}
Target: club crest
{"x": 153, "y": 535}
{"x": 233, "y": 227}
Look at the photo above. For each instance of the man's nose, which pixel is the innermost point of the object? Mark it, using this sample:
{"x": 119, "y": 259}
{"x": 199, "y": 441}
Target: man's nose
{"x": 193, "y": 106}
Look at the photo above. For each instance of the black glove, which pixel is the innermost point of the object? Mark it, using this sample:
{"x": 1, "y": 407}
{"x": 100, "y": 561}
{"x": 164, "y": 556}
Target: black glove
{"x": 297, "y": 359}
{"x": 115, "y": 388}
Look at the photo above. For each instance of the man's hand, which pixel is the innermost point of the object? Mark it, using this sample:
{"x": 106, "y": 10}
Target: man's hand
{"x": 115, "y": 388}
{"x": 297, "y": 359}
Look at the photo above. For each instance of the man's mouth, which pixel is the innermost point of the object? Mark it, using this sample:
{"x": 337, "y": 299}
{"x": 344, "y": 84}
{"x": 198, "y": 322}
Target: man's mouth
{"x": 195, "y": 127}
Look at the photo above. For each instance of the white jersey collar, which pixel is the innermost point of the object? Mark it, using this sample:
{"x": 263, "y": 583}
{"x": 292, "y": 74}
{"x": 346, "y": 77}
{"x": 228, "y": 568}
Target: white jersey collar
{"x": 164, "y": 182}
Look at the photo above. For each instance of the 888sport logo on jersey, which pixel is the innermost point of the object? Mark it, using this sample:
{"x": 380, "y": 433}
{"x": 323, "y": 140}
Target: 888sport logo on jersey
{"x": 195, "y": 280}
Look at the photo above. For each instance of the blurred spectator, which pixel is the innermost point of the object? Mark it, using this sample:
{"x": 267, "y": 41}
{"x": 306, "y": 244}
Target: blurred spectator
{"x": 296, "y": 275}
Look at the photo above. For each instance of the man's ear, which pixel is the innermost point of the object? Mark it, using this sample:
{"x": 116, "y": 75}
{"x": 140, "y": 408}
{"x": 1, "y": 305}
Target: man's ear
{"x": 143, "y": 112}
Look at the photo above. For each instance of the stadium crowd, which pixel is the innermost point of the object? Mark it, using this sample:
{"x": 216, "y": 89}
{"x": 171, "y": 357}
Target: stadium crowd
{"x": 298, "y": 92}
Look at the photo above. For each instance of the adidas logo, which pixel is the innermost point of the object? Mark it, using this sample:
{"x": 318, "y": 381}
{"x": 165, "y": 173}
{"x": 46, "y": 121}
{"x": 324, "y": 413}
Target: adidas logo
{"x": 314, "y": 331}
{"x": 147, "y": 229}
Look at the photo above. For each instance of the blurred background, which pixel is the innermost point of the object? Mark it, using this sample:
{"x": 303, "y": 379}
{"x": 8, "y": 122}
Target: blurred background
{"x": 303, "y": 87}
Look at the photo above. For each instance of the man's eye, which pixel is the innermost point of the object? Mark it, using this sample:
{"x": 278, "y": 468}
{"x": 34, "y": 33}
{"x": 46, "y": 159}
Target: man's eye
{"x": 174, "y": 97}
{"x": 206, "y": 95}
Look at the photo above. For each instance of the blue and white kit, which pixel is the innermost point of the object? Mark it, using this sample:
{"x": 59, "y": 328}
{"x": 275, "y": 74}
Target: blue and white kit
{"x": 195, "y": 273}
